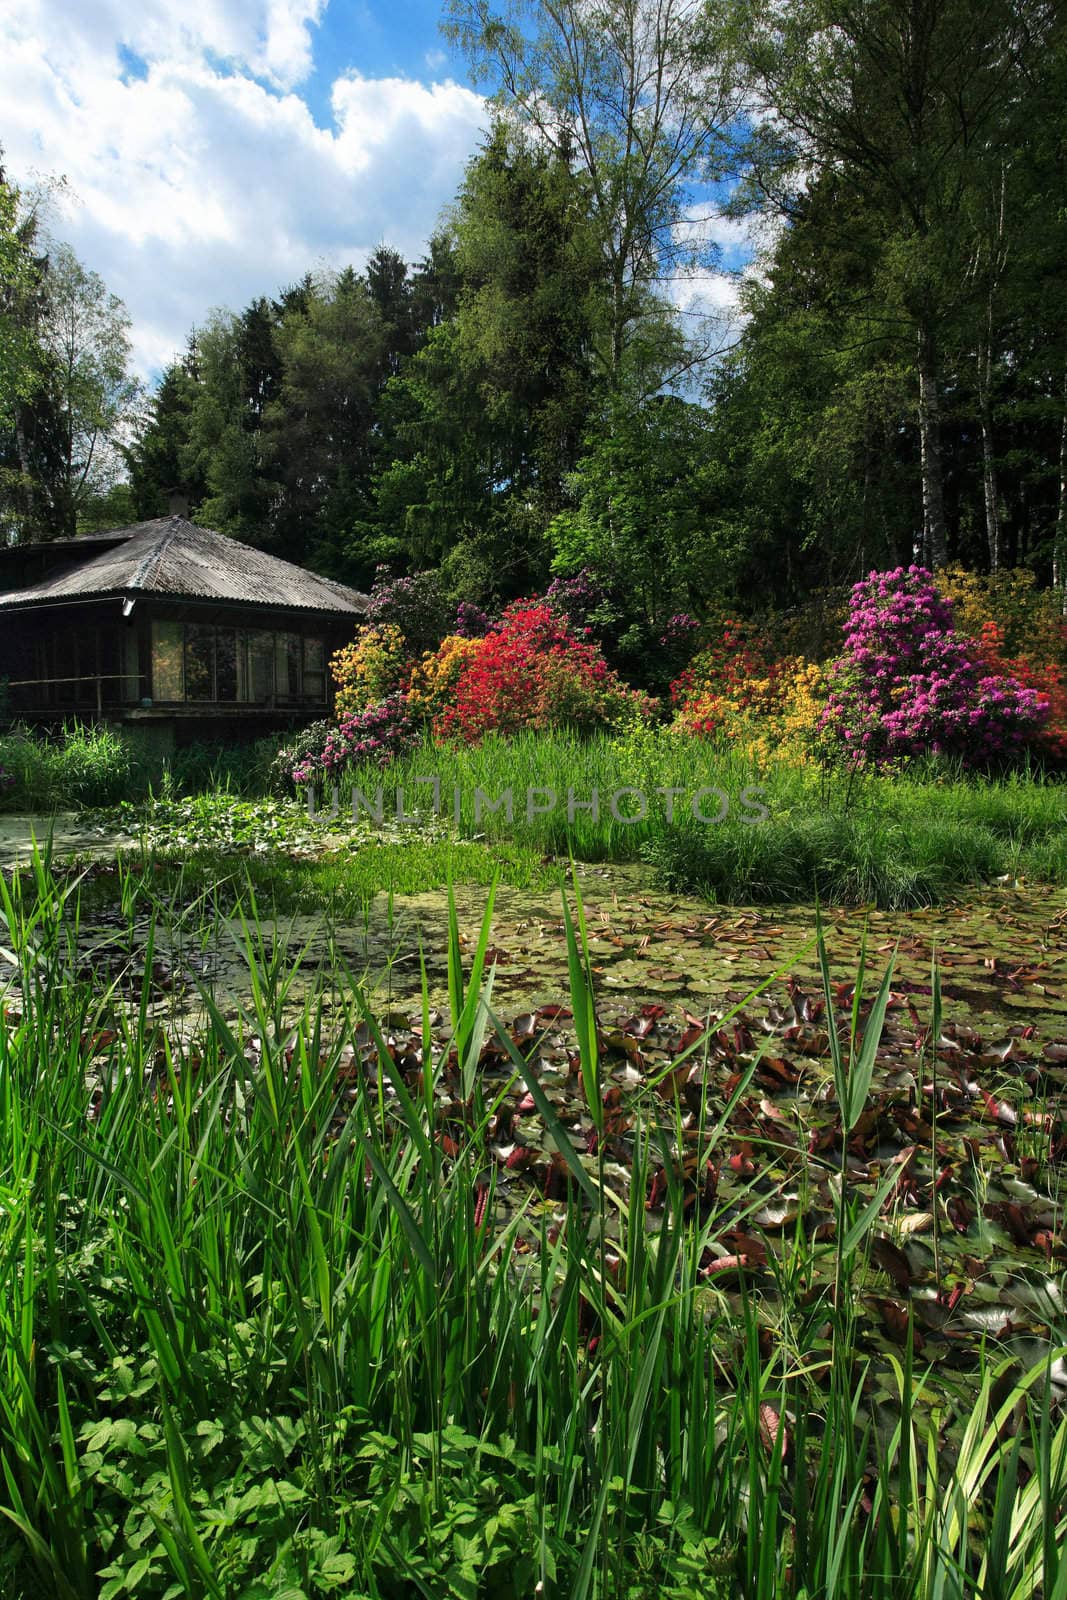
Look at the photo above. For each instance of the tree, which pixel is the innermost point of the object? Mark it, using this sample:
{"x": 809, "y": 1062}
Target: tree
{"x": 898, "y": 110}
{"x": 488, "y": 417}
{"x": 317, "y": 436}
{"x": 160, "y": 459}
{"x": 19, "y": 278}
{"x": 641, "y": 95}
{"x": 644, "y": 518}
{"x": 70, "y": 428}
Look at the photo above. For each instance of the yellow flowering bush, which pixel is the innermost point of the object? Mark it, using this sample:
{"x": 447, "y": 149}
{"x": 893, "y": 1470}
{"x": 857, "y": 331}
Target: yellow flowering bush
{"x": 373, "y": 667}
{"x": 772, "y": 717}
{"x": 1029, "y": 620}
{"x": 432, "y": 689}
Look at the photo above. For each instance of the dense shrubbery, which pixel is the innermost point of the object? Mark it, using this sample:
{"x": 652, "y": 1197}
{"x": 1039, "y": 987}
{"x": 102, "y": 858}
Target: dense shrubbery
{"x": 530, "y": 670}
{"x": 83, "y": 766}
{"x": 434, "y": 680}
{"x": 909, "y": 684}
{"x": 945, "y": 668}
{"x": 417, "y": 606}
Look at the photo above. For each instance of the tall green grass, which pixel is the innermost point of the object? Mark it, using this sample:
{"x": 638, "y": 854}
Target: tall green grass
{"x": 266, "y": 1332}
{"x": 896, "y": 841}
{"x": 92, "y": 764}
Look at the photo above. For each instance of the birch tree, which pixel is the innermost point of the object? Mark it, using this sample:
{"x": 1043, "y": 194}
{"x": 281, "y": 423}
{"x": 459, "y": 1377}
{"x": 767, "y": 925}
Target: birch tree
{"x": 642, "y": 95}
{"x": 905, "y": 105}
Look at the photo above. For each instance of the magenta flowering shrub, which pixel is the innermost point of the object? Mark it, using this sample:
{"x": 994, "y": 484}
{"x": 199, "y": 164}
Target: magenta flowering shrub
{"x": 471, "y": 621}
{"x": 908, "y": 684}
{"x": 381, "y": 733}
{"x": 417, "y": 605}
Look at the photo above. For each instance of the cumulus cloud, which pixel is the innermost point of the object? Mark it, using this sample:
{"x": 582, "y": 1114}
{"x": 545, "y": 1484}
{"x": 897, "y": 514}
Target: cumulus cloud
{"x": 197, "y": 174}
{"x": 716, "y": 254}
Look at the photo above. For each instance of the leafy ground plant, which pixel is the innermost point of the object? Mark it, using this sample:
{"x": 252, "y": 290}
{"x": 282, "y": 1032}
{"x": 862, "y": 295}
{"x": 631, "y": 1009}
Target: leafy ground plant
{"x": 323, "y": 1302}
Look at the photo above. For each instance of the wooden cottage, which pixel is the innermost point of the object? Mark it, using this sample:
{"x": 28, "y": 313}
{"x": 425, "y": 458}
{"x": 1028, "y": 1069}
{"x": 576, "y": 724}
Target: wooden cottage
{"x": 170, "y": 627}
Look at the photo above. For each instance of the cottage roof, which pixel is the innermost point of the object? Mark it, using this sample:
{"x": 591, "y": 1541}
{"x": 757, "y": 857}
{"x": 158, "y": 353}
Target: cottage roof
{"x": 172, "y": 556}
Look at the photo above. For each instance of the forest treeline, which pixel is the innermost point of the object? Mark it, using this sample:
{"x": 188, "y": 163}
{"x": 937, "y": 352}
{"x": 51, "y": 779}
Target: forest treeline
{"x": 537, "y": 395}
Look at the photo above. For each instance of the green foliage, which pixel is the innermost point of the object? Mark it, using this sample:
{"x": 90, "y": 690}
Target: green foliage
{"x": 19, "y": 371}
{"x": 65, "y": 448}
{"x": 270, "y": 1328}
{"x": 84, "y": 765}
{"x": 160, "y": 460}
{"x": 639, "y": 103}
{"x": 883, "y": 377}
{"x": 489, "y": 415}
{"x": 892, "y": 841}
{"x": 645, "y": 518}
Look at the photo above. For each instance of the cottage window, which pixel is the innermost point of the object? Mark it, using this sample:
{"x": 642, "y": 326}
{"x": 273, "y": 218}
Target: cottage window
{"x": 168, "y": 664}
{"x": 246, "y": 666}
{"x": 314, "y": 670}
{"x": 131, "y": 664}
{"x": 226, "y": 664}
{"x": 288, "y": 663}
{"x": 257, "y": 663}
{"x": 199, "y": 661}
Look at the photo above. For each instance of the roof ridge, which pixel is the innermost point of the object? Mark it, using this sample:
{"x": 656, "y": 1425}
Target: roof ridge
{"x": 144, "y": 568}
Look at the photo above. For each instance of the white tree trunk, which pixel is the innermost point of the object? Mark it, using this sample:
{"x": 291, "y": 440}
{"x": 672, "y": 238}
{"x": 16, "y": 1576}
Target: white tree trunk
{"x": 935, "y": 538}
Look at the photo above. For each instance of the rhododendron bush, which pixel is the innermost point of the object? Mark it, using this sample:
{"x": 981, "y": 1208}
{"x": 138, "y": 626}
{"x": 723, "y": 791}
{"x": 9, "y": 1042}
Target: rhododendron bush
{"x": 374, "y": 667}
{"x": 432, "y": 687}
{"x": 1048, "y": 680}
{"x": 532, "y": 671}
{"x": 736, "y": 691}
{"x": 380, "y": 734}
{"x": 908, "y": 684}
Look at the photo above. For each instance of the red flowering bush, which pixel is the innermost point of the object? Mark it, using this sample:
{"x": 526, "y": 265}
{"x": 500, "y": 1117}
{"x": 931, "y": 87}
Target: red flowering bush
{"x": 531, "y": 671}
{"x": 1047, "y": 679}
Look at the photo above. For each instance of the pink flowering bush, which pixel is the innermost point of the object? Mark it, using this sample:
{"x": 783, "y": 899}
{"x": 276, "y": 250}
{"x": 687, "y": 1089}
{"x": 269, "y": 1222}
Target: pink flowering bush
{"x": 381, "y": 733}
{"x": 908, "y": 684}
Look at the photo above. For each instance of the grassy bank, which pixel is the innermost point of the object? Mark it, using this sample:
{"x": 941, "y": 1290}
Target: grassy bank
{"x": 775, "y": 834}
{"x": 783, "y": 834}
{"x": 283, "y": 1314}
{"x": 91, "y": 764}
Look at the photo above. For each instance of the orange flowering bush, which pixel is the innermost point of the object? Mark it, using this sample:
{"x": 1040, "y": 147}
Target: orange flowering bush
{"x": 731, "y": 665}
{"x": 1022, "y": 634}
{"x": 371, "y": 669}
{"x": 771, "y": 716}
{"x": 432, "y": 687}
{"x": 1030, "y": 620}
{"x": 1048, "y": 679}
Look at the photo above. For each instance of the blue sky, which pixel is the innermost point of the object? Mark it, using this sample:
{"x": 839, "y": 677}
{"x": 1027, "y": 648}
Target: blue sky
{"x": 214, "y": 154}
{"x": 379, "y": 40}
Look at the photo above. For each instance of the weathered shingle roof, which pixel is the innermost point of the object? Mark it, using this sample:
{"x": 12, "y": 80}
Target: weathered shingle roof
{"x": 172, "y": 556}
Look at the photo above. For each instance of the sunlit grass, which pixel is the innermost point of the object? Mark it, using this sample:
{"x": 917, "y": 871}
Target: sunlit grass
{"x": 895, "y": 841}
{"x": 265, "y": 1331}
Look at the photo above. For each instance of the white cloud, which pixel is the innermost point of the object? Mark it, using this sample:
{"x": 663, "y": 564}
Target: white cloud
{"x": 200, "y": 176}
{"x": 707, "y": 290}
